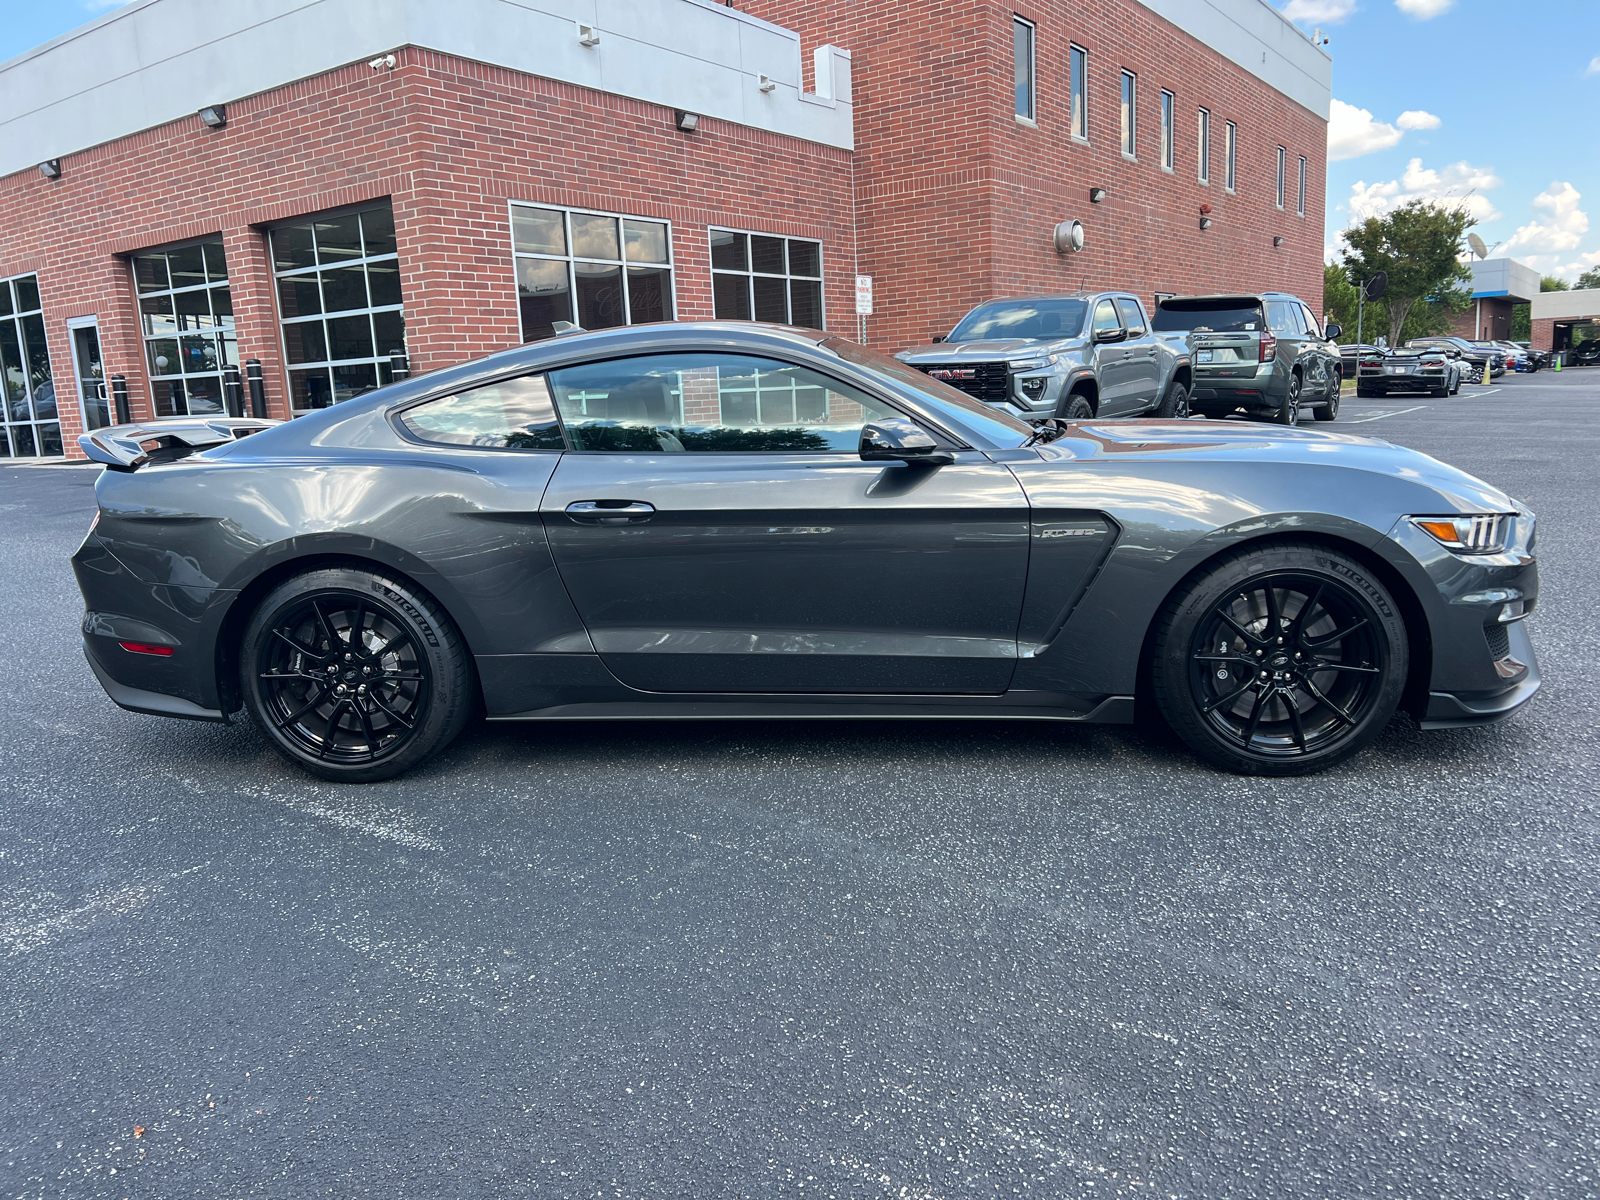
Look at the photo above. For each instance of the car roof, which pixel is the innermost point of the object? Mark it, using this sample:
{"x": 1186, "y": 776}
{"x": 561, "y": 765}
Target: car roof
{"x": 1053, "y": 296}
{"x": 1252, "y": 297}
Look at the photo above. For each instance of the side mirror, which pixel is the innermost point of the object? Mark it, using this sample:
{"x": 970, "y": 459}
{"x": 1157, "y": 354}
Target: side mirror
{"x": 895, "y": 439}
{"x": 936, "y": 339}
{"x": 1332, "y": 331}
{"x": 1102, "y": 336}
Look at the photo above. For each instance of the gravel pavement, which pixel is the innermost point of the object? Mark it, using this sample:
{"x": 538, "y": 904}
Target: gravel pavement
{"x": 699, "y": 960}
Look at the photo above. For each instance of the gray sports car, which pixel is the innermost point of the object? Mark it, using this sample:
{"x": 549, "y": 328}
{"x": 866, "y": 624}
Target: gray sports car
{"x": 732, "y": 520}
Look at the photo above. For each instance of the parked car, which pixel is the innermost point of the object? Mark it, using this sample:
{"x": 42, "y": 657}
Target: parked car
{"x": 1472, "y": 357}
{"x": 1351, "y": 353}
{"x": 1517, "y": 359}
{"x": 1263, "y": 353}
{"x": 1089, "y": 354}
{"x": 732, "y": 520}
{"x": 1585, "y": 354}
{"x": 1540, "y": 358}
{"x": 1419, "y": 370}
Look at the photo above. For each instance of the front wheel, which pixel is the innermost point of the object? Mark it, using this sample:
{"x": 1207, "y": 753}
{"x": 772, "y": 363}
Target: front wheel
{"x": 1328, "y": 410}
{"x": 1076, "y": 408}
{"x": 354, "y": 676}
{"x": 1280, "y": 660}
{"x": 1175, "y": 405}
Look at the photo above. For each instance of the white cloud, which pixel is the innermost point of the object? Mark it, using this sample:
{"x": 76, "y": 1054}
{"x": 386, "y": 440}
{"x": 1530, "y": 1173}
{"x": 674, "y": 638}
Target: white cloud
{"x": 1459, "y": 183}
{"x": 1424, "y": 10}
{"x": 1320, "y": 12}
{"x": 1594, "y": 66}
{"x": 1562, "y": 229}
{"x": 1415, "y": 118}
{"x": 1352, "y": 132}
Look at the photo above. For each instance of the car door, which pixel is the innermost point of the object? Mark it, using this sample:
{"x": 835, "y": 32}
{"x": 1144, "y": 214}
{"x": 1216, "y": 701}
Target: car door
{"x": 718, "y": 532}
{"x": 1320, "y": 363}
{"x": 1287, "y": 326}
{"x": 1144, "y": 368}
{"x": 1111, "y": 360}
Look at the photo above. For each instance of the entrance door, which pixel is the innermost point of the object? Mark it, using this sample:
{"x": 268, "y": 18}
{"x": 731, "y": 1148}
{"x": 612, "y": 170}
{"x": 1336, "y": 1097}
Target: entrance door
{"x": 87, "y": 370}
{"x": 718, "y": 532}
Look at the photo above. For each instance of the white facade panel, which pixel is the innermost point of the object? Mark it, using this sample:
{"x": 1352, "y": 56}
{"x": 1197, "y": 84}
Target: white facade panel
{"x": 1504, "y": 277}
{"x": 1575, "y": 305}
{"x": 153, "y": 61}
{"x": 1259, "y": 38}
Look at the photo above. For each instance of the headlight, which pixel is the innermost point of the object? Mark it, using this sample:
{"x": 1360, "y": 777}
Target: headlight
{"x": 1034, "y": 364}
{"x": 1483, "y": 534}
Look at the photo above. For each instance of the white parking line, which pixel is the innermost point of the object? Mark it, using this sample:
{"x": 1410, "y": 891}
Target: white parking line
{"x": 1380, "y": 416}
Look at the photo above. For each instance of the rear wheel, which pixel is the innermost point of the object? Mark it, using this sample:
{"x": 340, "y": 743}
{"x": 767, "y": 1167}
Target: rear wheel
{"x": 1175, "y": 405}
{"x": 1288, "y": 410}
{"x": 354, "y": 676}
{"x": 1076, "y": 407}
{"x": 1280, "y": 660}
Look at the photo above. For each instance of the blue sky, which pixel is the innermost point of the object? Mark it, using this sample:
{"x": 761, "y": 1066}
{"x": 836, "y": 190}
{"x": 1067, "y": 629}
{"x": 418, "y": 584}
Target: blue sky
{"x": 1479, "y": 100}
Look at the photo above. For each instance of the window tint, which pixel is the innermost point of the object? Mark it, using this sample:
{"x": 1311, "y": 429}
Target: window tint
{"x": 1210, "y": 316}
{"x": 1105, "y": 316}
{"x": 767, "y": 278}
{"x": 1041, "y": 319}
{"x": 675, "y": 403}
{"x": 514, "y": 414}
{"x": 1132, "y": 315}
{"x": 1285, "y": 318}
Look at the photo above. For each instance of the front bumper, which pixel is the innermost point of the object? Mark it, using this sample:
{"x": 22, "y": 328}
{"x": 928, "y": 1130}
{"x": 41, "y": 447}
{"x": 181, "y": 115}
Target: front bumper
{"x": 1463, "y": 710}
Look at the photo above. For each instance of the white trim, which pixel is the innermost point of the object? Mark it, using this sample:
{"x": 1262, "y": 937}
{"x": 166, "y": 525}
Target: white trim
{"x": 1032, "y": 115}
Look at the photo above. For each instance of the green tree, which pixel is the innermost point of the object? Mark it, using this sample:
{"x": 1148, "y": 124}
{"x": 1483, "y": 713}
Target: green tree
{"x": 1339, "y": 301}
{"x": 1589, "y": 279}
{"x": 1522, "y": 314}
{"x": 1418, "y": 246}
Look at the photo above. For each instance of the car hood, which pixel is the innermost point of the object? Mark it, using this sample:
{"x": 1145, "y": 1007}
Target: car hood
{"x": 1250, "y": 442}
{"x": 987, "y": 350}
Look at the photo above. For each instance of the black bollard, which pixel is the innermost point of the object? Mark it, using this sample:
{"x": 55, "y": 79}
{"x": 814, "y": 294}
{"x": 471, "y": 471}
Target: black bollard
{"x": 119, "y": 398}
{"x": 232, "y": 391}
{"x": 258, "y": 387}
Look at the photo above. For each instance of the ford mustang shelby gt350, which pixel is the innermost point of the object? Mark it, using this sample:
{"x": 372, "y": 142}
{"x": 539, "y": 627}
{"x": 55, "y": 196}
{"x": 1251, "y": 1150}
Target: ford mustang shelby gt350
{"x": 708, "y": 520}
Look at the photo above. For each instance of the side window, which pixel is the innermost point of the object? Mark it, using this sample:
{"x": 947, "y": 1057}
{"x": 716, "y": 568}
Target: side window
{"x": 677, "y": 403}
{"x": 1132, "y": 316}
{"x": 1105, "y": 316}
{"x": 1312, "y": 327}
{"x": 514, "y": 414}
{"x": 1283, "y": 319}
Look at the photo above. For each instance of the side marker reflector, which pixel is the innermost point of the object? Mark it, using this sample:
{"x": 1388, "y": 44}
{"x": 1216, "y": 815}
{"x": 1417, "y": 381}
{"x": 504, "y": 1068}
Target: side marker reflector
{"x": 147, "y": 648}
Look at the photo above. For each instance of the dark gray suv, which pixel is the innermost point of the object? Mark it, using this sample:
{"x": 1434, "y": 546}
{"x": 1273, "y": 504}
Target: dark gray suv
{"x": 1263, "y": 353}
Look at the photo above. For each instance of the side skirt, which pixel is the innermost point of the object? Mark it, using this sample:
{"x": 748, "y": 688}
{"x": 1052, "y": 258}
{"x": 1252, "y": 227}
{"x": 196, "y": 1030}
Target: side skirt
{"x": 1107, "y": 710}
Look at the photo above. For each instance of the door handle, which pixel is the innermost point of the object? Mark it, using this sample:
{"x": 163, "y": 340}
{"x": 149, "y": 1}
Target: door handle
{"x": 610, "y": 510}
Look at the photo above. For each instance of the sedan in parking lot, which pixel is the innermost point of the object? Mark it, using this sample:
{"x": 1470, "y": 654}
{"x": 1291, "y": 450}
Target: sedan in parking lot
{"x": 726, "y": 520}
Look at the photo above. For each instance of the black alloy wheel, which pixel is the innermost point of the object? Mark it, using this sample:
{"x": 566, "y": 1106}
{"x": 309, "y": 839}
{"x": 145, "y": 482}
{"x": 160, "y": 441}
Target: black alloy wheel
{"x": 1175, "y": 405}
{"x": 354, "y": 676}
{"x": 1281, "y": 660}
{"x": 1328, "y": 410}
{"x": 1288, "y": 412}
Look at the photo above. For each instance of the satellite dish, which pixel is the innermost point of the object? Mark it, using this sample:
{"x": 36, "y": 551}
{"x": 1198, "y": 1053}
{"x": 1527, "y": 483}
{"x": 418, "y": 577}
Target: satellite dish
{"x": 1377, "y": 286}
{"x": 1477, "y": 245}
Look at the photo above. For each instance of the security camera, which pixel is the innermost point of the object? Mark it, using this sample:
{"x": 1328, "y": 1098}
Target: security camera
{"x": 382, "y": 61}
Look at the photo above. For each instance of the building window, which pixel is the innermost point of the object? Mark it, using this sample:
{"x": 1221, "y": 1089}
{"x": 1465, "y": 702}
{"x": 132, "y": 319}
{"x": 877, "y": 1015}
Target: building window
{"x": 1130, "y": 116}
{"x": 1168, "y": 151}
{"x": 29, "y": 426}
{"x": 1022, "y": 66}
{"x": 1283, "y": 158}
{"x": 339, "y": 303}
{"x": 1300, "y": 203}
{"x": 1203, "y": 146}
{"x": 764, "y": 278}
{"x": 589, "y": 270}
{"x": 186, "y": 315}
{"x": 1230, "y": 153}
{"x": 1079, "y": 84}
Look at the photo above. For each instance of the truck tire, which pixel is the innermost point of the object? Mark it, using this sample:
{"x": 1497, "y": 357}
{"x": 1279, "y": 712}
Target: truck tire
{"x": 1175, "y": 405}
{"x": 1076, "y": 407}
{"x": 1288, "y": 410}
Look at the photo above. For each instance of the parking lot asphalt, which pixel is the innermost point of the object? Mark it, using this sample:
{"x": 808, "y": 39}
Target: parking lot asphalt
{"x": 907, "y": 960}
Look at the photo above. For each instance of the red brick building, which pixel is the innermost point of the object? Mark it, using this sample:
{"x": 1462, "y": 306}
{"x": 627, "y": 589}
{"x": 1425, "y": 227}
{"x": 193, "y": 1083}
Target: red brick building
{"x": 371, "y": 176}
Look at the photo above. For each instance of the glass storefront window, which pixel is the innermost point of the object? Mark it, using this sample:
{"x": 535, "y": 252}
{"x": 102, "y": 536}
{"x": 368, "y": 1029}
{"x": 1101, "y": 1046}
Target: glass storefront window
{"x": 339, "y": 304}
{"x": 588, "y": 270}
{"x": 29, "y": 427}
{"x": 186, "y": 317}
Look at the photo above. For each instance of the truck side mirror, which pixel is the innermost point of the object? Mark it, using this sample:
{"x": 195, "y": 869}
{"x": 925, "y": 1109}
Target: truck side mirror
{"x": 1332, "y": 331}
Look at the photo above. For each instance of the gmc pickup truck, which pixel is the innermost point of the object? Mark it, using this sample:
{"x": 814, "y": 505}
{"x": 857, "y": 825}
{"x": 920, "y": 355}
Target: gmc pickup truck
{"x": 1089, "y": 354}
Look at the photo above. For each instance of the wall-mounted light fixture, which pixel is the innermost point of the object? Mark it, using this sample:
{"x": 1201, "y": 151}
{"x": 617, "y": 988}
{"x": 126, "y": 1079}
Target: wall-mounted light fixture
{"x": 1068, "y": 237}
{"x": 686, "y": 121}
{"x": 1205, "y": 222}
{"x": 214, "y": 116}
{"x": 1277, "y": 241}
{"x": 50, "y": 168}
{"x": 588, "y": 35}
{"x": 766, "y": 84}
{"x": 1097, "y": 195}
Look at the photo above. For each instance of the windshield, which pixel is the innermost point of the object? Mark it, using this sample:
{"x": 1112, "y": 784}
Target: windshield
{"x": 1036, "y": 320}
{"x": 1208, "y": 316}
{"x": 968, "y": 415}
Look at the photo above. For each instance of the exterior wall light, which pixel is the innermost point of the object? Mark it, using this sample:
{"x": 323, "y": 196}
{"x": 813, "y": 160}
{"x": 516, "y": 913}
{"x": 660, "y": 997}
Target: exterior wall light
{"x": 1097, "y": 195}
{"x": 766, "y": 84}
{"x": 50, "y": 168}
{"x": 588, "y": 35}
{"x": 688, "y": 122}
{"x": 1277, "y": 241}
{"x": 1205, "y": 222}
{"x": 1068, "y": 237}
{"x": 214, "y": 116}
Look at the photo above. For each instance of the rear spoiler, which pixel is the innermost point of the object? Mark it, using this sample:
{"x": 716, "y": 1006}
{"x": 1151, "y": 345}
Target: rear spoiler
{"x": 129, "y": 447}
